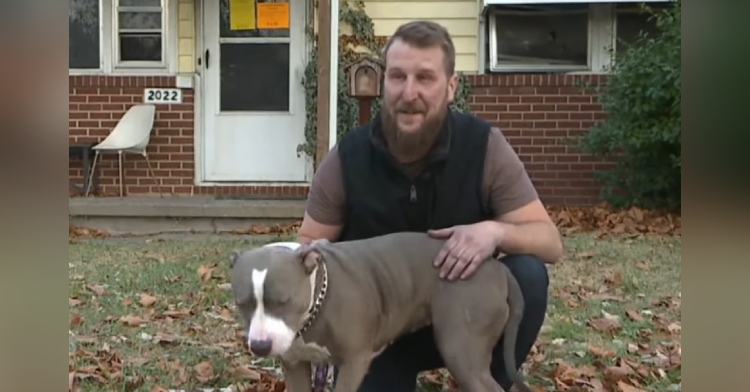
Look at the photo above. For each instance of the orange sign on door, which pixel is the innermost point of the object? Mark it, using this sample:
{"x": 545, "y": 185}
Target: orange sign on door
{"x": 273, "y": 15}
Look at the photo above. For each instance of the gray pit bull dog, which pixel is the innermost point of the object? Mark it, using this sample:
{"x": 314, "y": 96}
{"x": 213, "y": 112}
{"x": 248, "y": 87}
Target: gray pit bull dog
{"x": 344, "y": 302}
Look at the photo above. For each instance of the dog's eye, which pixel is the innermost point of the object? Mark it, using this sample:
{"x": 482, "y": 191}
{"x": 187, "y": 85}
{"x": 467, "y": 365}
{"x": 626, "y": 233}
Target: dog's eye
{"x": 276, "y": 301}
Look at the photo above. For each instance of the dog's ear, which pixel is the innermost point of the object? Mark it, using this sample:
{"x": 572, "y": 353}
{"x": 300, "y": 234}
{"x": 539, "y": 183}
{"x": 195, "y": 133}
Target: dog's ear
{"x": 308, "y": 255}
{"x": 233, "y": 258}
{"x": 310, "y": 261}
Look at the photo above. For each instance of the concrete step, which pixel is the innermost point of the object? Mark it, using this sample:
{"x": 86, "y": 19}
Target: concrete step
{"x": 185, "y": 214}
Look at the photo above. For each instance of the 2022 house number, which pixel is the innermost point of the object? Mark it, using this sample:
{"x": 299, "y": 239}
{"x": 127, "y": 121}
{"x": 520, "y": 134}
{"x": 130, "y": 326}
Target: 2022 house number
{"x": 162, "y": 95}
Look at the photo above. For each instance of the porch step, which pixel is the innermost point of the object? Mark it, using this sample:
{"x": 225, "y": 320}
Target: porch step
{"x": 187, "y": 214}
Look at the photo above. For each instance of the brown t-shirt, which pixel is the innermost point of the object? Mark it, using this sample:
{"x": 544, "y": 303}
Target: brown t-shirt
{"x": 506, "y": 185}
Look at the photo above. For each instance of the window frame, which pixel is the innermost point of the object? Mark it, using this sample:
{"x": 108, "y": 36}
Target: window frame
{"x": 109, "y": 44}
{"x": 601, "y": 37}
{"x": 116, "y": 10}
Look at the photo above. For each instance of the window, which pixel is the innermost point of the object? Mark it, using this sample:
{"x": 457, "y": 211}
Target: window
{"x": 544, "y": 36}
{"x": 84, "y": 40}
{"x": 122, "y": 36}
{"x": 632, "y": 21}
{"x": 140, "y": 38}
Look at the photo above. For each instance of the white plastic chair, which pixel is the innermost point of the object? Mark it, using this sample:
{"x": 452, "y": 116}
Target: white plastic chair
{"x": 131, "y": 135}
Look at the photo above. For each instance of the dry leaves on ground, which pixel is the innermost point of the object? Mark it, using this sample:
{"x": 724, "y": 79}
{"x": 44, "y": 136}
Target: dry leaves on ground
{"x": 605, "y": 220}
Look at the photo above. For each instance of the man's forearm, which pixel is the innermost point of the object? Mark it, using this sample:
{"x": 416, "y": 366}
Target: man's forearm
{"x": 538, "y": 238}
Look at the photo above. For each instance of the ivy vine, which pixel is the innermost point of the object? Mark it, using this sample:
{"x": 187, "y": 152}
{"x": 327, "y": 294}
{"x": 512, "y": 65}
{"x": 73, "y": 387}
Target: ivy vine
{"x": 352, "y": 13}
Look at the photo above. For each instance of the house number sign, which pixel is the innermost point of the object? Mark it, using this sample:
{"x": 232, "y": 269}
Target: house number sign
{"x": 162, "y": 95}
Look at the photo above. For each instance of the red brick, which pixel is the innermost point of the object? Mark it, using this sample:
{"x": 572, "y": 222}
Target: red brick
{"x": 535, "y": 112}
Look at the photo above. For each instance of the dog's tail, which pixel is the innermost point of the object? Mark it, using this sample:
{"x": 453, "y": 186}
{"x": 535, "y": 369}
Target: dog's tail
{"x": 516, "y": 306}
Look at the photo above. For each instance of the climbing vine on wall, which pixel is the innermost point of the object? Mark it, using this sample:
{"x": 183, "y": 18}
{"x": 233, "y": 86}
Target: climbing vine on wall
{"x": 361, "y": 41}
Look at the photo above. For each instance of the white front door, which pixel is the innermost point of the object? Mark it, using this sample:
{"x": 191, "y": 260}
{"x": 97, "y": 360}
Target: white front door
{"x": 253, "y": 99}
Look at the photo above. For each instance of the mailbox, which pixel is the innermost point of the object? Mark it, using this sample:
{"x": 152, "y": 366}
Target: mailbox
{"x": 365, "y": 77}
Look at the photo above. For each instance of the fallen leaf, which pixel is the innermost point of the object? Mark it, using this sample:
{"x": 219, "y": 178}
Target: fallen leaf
{"x": 165, "y": 338}
{"x": 627, "y": 387}
{"x": 176, "y": 314}
{"x": 132, "y": 321}
{"x": 615, "y": 374}
{"x": 601, "y": 352}
{"x": 246, "y": 372}
{"x": 634, "y": 315}
{"x": 75, "y": 320}
{"x": 96, "y": 289}
{"x": 74, "y": 301}
{"x": 147, "y": 300}
{"x": 71, "y": 381}
{"x": 642, "y": 265}
{"x": 204, "y": 371}
{"x": 205, "y": 272}
{"x": 606, "y": 323}
{"x": 86, "y": 339}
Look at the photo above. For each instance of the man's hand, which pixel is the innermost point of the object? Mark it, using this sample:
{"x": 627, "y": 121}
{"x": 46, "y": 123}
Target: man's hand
{"x": 467, "y": 247}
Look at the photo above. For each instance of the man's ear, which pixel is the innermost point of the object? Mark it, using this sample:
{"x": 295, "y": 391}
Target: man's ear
{"x": 233, "y": 258}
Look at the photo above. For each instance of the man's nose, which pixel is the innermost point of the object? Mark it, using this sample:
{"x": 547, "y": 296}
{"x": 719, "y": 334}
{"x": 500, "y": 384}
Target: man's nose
{"x": 261, "y": 347}
{"x": 410, "y": 90}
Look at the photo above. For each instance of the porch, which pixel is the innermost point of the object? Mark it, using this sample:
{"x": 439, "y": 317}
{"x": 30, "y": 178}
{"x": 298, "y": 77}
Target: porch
{"x": 182, "y": 214}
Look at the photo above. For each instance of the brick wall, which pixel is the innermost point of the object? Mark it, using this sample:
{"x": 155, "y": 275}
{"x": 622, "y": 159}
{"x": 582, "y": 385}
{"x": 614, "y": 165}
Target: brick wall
{"x": 98, "y": 102}
{"x": 535, "y": 112}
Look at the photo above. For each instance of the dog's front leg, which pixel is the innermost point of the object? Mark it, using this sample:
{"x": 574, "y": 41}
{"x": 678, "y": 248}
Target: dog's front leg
{"x": 297, "y": 376}
{"x": 351, "y": 373}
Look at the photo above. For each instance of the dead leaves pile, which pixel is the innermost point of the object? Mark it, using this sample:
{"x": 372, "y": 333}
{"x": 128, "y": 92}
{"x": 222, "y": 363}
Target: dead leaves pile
{"x": 277, "y": 229}
{"x": 605, "y": 220}
{"x": 78, "y": 232}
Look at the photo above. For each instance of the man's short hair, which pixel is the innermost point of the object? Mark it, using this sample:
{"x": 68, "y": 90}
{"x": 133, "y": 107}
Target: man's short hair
{"x": 425, "y": 34}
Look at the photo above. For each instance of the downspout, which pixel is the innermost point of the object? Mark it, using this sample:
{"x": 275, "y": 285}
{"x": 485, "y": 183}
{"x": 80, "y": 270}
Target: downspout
{"x": 334, "y": 77}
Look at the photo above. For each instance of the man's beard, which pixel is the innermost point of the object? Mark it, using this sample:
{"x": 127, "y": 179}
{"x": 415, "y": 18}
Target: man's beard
{"x": 412, "y": 146}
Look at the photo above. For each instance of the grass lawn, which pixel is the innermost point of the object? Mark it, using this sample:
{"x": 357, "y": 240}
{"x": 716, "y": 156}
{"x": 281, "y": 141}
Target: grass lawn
{"x": 150, "y": 314}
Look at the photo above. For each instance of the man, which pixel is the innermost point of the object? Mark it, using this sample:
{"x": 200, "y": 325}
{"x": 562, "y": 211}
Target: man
{"x": 420, "y": 167}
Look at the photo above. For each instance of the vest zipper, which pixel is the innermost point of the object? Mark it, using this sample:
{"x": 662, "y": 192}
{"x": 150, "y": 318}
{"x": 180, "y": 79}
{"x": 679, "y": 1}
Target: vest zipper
{"x": 413, "y": 194}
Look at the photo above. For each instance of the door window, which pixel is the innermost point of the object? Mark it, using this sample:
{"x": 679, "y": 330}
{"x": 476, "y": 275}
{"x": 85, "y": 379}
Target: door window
{"x": 254, "y": 66}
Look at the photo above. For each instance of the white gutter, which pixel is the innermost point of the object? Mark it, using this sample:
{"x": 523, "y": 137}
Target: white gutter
{"x": 334, "y": 76}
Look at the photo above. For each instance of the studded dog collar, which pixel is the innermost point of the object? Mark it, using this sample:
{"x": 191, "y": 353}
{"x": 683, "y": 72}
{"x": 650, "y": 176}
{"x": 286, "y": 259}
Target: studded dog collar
{"x": 317, "y": 301}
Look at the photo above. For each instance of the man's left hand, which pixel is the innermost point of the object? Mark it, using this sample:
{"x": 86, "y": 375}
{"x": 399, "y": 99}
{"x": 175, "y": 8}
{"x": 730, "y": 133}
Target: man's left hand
{"x": 467, "y": 247}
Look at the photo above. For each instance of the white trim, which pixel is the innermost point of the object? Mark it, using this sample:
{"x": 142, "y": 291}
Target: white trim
{"x": 199, "y": 172}
{"x": 481, "y": 43}
{"x": 333, "y": 92}
{"x": 108, "y": 45}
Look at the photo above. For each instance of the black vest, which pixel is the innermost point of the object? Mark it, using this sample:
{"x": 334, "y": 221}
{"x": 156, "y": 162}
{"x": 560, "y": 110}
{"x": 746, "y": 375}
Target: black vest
{"x": 382, "y": 199}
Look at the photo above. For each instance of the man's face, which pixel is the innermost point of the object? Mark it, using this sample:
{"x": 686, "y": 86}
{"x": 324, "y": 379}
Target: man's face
{"x": 416, "y": 90}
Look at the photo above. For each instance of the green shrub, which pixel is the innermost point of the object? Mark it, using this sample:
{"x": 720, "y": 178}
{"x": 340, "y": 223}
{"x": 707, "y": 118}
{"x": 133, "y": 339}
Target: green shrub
{"x": 642, "y": 130}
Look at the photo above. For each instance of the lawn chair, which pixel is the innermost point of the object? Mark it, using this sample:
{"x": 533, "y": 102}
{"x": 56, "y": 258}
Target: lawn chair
{"x": 131, "y": 135}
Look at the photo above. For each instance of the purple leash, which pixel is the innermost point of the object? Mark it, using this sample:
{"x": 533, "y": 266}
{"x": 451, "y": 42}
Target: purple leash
{"x": 321, "y": 378}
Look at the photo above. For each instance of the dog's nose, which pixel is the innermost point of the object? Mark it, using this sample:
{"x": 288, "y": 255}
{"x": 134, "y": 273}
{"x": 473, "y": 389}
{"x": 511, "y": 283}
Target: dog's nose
{"x": 260, "y": 347}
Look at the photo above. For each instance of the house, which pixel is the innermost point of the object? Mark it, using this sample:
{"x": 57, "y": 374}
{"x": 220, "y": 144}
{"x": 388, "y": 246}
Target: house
{"x": 225, "y": 76}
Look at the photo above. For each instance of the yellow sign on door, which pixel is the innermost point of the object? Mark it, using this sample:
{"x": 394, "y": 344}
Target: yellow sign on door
{"x": 242, "y": 14}
{"x": 273, "y": 15}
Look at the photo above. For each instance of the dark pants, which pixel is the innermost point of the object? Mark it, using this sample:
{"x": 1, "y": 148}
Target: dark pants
{"x": 396, "y": 369}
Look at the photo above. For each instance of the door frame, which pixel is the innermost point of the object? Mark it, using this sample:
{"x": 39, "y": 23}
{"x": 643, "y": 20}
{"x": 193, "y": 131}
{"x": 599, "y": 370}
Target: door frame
{"x": 199, "y": 132}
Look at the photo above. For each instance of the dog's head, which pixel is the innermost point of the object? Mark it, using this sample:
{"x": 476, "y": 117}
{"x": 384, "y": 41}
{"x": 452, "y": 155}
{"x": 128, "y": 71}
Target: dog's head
{"x": 272, "y": 287}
